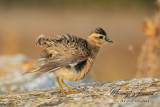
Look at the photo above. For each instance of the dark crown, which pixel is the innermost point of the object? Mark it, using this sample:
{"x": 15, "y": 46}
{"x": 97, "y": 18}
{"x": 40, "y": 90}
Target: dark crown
{"x": 99, "y": 31}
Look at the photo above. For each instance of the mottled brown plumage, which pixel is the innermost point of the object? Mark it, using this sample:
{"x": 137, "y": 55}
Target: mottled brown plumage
{"x": 69, "y": 57}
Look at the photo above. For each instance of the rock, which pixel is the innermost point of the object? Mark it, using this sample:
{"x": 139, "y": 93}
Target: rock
{"x": 127, "y": 93}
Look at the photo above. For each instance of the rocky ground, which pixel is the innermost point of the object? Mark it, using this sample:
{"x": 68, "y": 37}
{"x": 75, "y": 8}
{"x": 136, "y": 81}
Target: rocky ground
{"x": 132, "y": 93}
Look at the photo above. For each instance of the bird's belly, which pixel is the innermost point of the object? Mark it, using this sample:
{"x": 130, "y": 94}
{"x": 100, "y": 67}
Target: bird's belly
{"x": 69, "y": 74}
{"x": 73, "y": 75}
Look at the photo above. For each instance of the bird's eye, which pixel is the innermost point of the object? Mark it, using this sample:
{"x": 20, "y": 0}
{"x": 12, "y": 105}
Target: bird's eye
{"x": 100, "y": 37}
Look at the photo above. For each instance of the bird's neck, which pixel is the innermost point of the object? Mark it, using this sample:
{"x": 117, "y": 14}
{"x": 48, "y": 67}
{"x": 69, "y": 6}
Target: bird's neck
{"x": 94, "y": 50}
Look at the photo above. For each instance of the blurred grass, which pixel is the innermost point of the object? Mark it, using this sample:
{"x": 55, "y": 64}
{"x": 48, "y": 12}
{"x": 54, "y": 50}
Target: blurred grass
{"x": 50, "y": 3}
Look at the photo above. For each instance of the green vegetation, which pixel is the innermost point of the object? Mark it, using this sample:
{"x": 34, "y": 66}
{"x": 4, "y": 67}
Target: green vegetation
{"x": 48, "y": 3}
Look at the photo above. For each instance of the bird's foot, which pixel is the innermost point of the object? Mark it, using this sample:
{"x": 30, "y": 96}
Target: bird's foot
{"x": 73, "y": 92}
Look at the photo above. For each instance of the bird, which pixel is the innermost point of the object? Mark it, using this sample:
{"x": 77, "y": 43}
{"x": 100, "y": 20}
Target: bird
{"x": 69, "y": 57}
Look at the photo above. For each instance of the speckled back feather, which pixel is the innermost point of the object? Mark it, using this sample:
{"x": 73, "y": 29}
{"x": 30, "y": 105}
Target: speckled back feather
{"x": 66, "y": 44}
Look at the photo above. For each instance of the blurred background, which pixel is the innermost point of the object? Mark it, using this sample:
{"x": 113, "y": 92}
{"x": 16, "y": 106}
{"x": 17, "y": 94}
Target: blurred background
{"x": 22, "y": 21}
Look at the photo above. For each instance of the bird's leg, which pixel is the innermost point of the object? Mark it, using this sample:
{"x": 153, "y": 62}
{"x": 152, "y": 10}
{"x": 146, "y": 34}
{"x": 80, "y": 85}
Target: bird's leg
{"x": 57, "y": 79}
{"x": 66, "y": 85}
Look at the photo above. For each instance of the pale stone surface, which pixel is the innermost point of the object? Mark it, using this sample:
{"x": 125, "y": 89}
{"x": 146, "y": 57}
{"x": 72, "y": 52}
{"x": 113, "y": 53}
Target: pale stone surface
{"x": 126, "y": 93}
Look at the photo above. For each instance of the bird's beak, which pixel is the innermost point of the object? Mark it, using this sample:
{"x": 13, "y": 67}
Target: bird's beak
{"x": 108, "y": 40}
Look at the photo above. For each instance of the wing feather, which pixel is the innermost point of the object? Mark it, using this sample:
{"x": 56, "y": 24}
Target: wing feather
{"x": 66, "y": 50}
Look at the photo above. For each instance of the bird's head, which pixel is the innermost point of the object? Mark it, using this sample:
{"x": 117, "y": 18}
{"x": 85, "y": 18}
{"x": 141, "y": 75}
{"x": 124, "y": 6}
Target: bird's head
{"x": 98, "y": 37}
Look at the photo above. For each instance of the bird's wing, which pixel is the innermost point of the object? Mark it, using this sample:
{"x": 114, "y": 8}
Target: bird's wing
{"x": 60, "y": 52}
